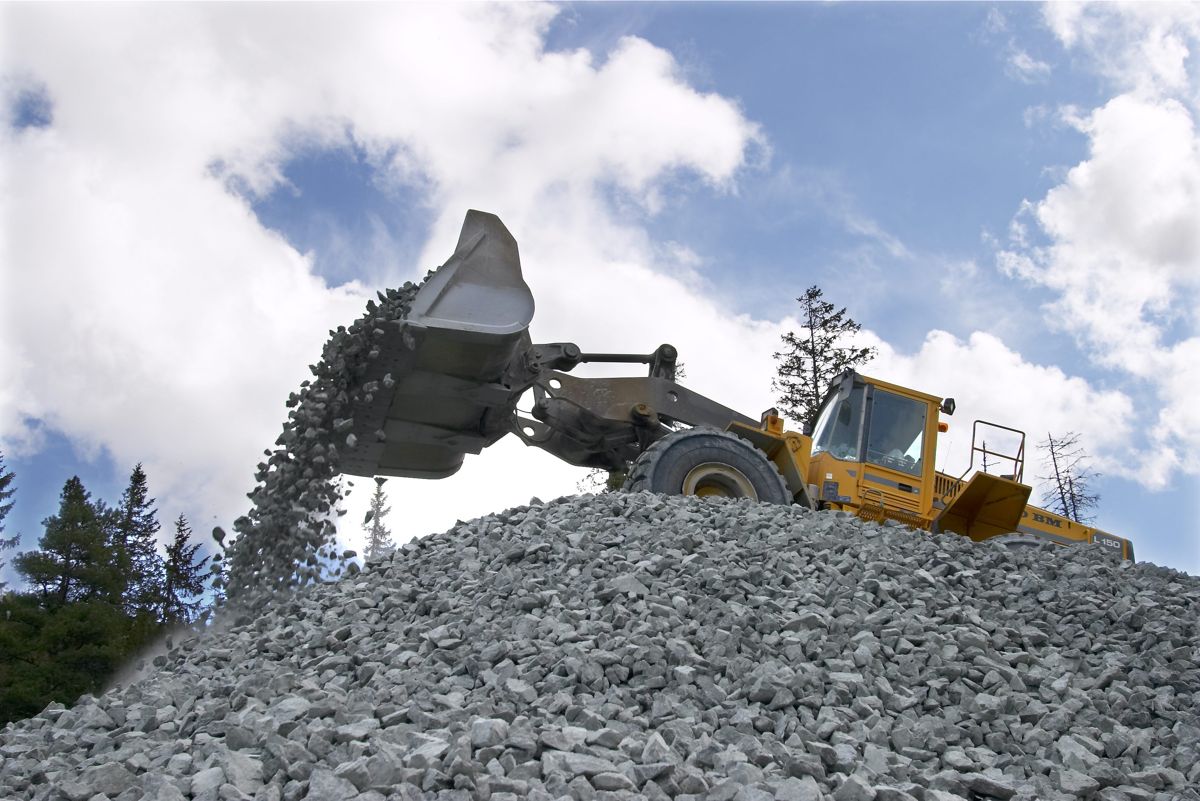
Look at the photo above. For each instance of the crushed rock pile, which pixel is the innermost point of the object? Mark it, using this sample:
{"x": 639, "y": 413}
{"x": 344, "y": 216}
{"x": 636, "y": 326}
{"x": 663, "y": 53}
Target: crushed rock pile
{"x": 629, "y": 646}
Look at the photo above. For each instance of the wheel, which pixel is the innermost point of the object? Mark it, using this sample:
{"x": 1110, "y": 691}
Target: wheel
{"x": 1017, "y": 541}
{"x": 708, "y": 463}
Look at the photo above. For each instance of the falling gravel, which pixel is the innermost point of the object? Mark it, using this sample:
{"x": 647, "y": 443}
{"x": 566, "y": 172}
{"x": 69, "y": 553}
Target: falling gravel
{"x": 634, "y": 646}
{"x": 288, "y": 538}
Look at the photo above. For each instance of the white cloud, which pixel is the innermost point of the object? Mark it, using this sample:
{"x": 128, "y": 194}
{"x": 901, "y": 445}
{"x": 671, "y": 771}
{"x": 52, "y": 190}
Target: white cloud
{"x": 990, "y": 381}
{"x": 147, "y": 311}
{"x": 1019, "y": 64}
{"x": 1140, "y": 47}
{"x": 147, "y": 316}
{"x": 1118, "y": 239}
{"x": 792, "y": 194}
{"x": 1025, "y": 67}
{"x": 1034, "y": 116}
{"x": 995, "y": 21}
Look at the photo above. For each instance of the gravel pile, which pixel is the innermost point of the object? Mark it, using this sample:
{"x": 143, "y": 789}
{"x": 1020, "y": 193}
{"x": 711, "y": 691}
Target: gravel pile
{"x": 629, "y": 645}
{"x": 289, "y": 536}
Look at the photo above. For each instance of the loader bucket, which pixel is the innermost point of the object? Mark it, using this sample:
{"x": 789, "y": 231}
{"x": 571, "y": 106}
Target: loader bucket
{"x": 441, "y": 392}
{"x": 985, "y": 506}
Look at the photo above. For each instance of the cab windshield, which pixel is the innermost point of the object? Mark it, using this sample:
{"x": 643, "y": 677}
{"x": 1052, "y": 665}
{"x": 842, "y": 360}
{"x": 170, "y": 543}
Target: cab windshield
{"x": 837, "y": 429}
{"x": 897, "y": 432}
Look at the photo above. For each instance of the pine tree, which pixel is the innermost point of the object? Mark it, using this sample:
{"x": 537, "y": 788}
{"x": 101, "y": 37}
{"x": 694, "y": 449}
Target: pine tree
{"x": 184, "y": 577}
{"x": 69, "y": 633}
{"x": 1069, "y": 490}
{"x": 5, "y": 544}
{"x": 815, "y": 356}
{"x": 22, "y": 687}
{"x": 135, "y": 545}
{"x": 6, "y": 492}
{"x": 56, "y": 653}
{"x": 74, "y": 562}
{"x": 379, "y": 538}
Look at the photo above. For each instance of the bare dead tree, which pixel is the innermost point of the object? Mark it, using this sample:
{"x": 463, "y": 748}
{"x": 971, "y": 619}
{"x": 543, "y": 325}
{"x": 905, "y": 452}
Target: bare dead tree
{"x": 1069, "y": 492}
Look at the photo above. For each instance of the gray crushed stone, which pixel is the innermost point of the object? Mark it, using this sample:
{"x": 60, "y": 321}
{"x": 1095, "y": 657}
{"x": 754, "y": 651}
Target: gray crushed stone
{"x": 633, "y": 646}
{"x": 288, "y": 538}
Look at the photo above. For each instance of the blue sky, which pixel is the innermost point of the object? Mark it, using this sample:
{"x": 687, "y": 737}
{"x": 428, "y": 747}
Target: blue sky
{"x": 960, "y": 176}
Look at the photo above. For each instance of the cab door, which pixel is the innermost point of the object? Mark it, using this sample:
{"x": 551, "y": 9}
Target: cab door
{"x": 899, "y": 446}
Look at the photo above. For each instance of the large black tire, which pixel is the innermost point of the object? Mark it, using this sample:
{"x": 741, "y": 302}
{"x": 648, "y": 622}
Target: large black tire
{"x": 707, "y": 462}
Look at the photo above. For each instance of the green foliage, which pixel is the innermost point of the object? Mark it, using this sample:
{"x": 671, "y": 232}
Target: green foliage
{"x": 74, "y": 562}
{"x": 135, "y": 548}
{"x": 815, "y": 356}
{"x": 86, "y": 642}
{"x": 97, "y": 592}
{"x": 183, "y": 577}
{"x": 6, "y": 544}
{"x": 56, "y": 653}
{"x": 6, "y": 492}
{"x": 24, "y": 686}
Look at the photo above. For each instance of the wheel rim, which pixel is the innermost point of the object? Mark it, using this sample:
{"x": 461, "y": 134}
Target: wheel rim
{"x": 717, "y": 480}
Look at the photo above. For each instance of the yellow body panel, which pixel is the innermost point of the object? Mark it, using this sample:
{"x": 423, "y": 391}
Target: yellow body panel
{"x": 981, "y": 507}
{"x": 1065, "y": 531}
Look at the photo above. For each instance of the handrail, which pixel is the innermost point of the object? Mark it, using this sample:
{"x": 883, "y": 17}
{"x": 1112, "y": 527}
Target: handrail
{"x": 1018, "y": 459}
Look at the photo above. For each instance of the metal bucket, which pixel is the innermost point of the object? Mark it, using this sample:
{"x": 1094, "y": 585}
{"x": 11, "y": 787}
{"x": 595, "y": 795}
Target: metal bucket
{"x": 447, "y": 363}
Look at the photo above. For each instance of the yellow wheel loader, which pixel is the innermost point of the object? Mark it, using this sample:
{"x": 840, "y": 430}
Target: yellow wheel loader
{"x": 448, "y": 378}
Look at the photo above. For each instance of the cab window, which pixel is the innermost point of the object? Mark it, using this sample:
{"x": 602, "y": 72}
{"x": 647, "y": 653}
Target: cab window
{"x": 896, "y": 437}
{"x": 838, "y": 426}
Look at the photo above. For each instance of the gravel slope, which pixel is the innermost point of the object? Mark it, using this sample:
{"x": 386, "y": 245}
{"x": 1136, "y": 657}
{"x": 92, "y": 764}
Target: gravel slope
{"x": 637, "y": 646}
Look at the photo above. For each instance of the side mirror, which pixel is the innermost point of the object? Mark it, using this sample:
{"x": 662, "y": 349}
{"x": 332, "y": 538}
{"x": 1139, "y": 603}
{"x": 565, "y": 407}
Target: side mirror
{"x": 948, "y": 406}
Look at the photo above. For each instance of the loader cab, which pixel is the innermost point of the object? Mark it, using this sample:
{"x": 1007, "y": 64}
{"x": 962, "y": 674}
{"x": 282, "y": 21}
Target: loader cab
{"x": 873, "y": 449}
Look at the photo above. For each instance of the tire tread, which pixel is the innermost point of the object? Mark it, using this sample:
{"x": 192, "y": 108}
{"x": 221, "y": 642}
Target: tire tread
{"x": 644, "y": 466}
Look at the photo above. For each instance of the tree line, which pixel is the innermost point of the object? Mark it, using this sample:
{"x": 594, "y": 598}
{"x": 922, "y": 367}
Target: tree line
{"x": 96, "y": 591}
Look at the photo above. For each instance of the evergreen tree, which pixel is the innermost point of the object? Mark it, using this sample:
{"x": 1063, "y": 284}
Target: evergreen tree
{"x": 55, "y": 654}
{"x": 135, "y": 547}
{"x": 379, "y": 538}
{"x": 70, "y": 633}
{"x": 74, "y": 562}
{"x": 5, "y": 544}
{"x": 184, "y": 577}
{"x": 23, "y": 690}
{"x": 815, "y": 356}
{"x": 6, "y": 491}
{"x": 1069, "y": 489}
